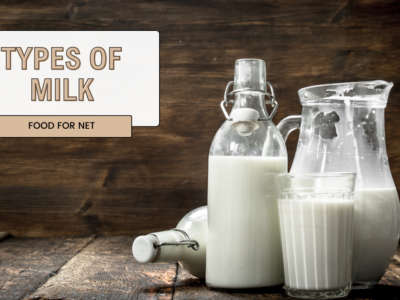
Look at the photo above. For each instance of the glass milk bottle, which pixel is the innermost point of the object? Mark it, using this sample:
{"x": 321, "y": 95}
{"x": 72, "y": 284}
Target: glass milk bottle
{"x": 186, "y": 243}
{"x": 243, "y": 245}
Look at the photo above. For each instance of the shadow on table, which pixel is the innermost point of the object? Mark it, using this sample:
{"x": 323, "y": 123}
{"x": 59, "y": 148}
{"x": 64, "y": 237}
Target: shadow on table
{"x": 378, "y": 292}
{"x": 269, "y": 290}
{"x": 194, "y": 288}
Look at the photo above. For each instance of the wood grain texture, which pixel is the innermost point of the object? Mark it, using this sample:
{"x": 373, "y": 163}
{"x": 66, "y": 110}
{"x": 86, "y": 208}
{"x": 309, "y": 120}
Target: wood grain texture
{"x": 25, "y": 264}
{"x": 191, "y": 288}
{"x": 392, "y": 276}
{"x": 103, "y": 186}
{"x": 106, "y": 269}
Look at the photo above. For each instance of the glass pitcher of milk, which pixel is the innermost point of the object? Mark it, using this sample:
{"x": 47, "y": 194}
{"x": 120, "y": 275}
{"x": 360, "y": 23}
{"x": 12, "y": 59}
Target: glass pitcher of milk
{"x": 342, "y": 130}
{"x": 243, "y": 245}
{"x": 186, "y": 243}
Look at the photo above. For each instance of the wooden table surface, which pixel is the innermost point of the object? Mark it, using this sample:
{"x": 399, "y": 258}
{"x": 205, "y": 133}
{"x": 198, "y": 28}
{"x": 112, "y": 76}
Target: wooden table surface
{"x": 99, "y": 268}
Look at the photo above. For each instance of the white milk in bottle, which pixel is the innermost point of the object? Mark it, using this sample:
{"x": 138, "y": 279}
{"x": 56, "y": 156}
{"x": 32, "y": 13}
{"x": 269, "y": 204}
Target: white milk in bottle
{"x": 243, "y": 246}
{"x": 175, "y": 245}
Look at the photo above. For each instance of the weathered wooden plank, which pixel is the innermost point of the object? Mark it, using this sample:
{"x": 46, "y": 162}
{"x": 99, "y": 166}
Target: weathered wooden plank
{"x": 136, "y": 160}
{"x": 261, "y": 13}
{"x": 25, "y": 264}
{"x": 106, "y": 269}
{"x": 189, "y": 287}
{"x": 92, "y": 211}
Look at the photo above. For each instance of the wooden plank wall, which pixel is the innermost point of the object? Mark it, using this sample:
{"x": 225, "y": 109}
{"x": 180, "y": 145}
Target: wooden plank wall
{"x": 73, "y": 187}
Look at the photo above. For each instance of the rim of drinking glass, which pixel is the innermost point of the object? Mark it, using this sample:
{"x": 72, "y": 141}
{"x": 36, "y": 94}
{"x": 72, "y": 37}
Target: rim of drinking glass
{"x": 319, "y": 174}
{"x": 240, "y": 59}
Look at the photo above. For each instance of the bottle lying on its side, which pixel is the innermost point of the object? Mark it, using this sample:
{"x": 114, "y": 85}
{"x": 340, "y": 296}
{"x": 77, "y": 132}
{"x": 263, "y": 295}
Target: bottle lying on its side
{"x": 186, "y": 243}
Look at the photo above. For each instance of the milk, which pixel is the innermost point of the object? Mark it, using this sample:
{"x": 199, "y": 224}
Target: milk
{"x": 194, "y": 224}
{"x": 316, "y": 237}
{"x": 243, "y": 246}
{"x": 196, "y": 227}
{"x": 376, "y": 232}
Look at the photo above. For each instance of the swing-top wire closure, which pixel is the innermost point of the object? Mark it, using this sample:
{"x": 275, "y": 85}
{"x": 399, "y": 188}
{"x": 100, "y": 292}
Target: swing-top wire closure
{"x": 190, "y": 243}
{"x": 271, "y": 96}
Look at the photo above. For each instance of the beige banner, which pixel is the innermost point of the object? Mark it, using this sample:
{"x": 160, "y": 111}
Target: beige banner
{"x": 65, "y": 126}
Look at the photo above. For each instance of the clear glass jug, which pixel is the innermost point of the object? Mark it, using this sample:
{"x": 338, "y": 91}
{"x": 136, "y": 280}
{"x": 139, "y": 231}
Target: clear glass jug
{"x": 342, "y": 130}
{"x": 243, "y": 245}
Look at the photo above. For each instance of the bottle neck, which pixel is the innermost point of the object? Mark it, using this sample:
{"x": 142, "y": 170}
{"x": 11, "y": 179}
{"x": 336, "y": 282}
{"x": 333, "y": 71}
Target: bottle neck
{"x": 250, "y": 74}
{"x": 251, "y": 100}
{"x": 168, "y": 254}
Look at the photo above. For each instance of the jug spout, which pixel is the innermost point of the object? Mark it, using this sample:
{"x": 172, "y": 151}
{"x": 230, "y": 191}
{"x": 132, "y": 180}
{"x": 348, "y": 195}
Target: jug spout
{"x": 387, "y": 89}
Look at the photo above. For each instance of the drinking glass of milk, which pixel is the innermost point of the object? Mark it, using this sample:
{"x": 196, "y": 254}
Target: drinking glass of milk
{"x": 316, "y": 225}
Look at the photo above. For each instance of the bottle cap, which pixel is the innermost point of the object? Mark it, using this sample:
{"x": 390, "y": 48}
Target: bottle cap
{"x": 143, "y": 249}
{"x": 245, "y": 120}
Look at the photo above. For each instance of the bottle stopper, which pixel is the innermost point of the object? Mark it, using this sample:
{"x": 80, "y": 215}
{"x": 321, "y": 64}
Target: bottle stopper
{"x": 143, "y": 249}
{"x": 245, "y": 120}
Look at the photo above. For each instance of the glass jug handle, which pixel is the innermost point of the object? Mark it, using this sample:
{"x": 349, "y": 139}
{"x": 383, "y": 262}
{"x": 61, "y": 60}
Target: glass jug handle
{"x": 287, "y": 125}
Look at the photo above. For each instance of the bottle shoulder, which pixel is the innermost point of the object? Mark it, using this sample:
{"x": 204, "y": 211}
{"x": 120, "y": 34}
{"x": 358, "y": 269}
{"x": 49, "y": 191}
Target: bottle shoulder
{"x": 265, "y": 141}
